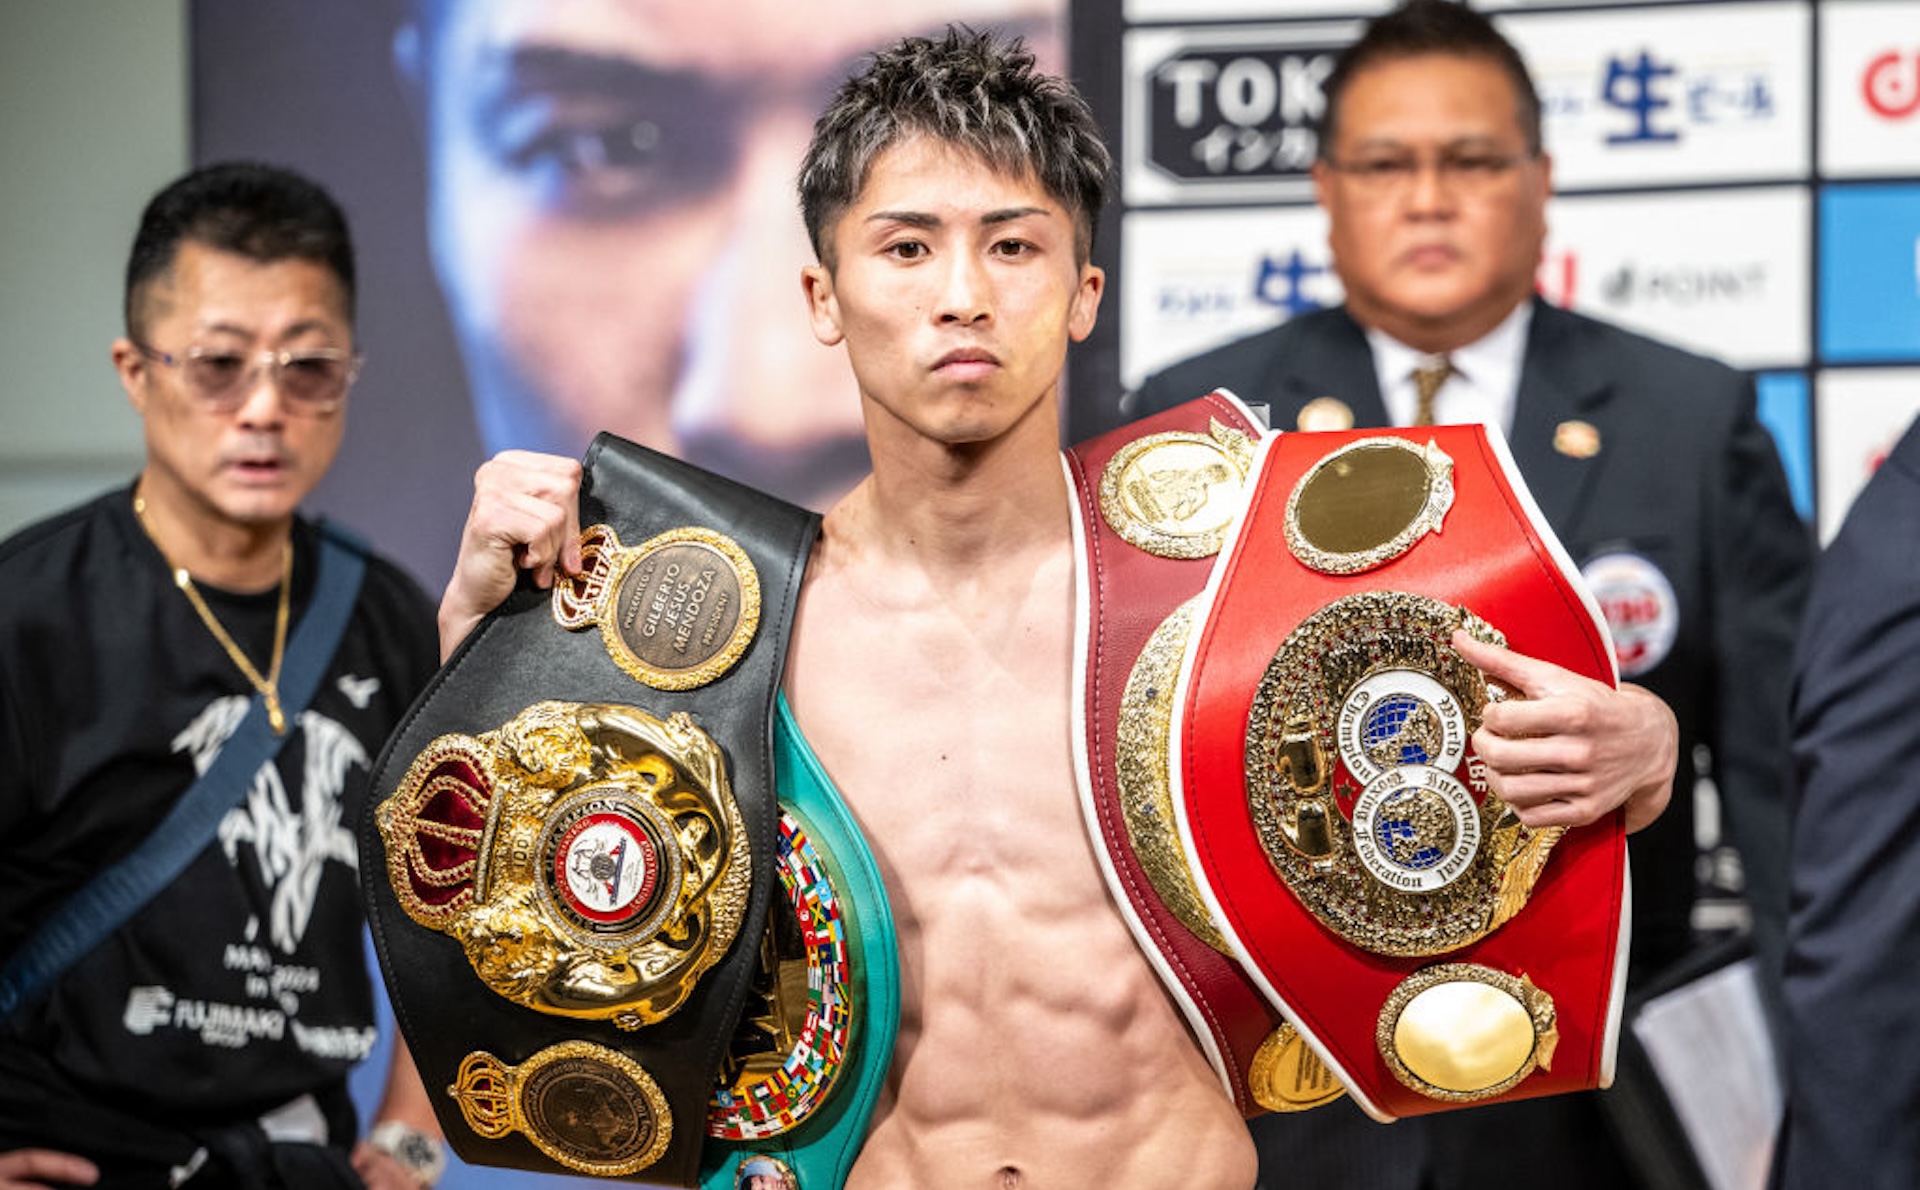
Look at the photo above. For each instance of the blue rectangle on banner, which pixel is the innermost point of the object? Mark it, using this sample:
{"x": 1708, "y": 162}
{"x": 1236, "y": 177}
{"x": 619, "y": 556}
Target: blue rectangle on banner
{"x": 1870, "y": 274}
{"x": 1785, "y": 410}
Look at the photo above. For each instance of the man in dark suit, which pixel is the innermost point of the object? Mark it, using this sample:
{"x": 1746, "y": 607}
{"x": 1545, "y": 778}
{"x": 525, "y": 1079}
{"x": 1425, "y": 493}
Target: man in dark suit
{"x": 1648, "y": 462}
{"x": 1854, "y": 937}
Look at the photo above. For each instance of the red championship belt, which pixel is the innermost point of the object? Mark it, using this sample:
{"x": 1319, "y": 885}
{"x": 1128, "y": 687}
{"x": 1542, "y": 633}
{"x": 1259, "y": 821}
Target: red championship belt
{"x": 1432, "y": 950}
{"x": 1155, "y": 501}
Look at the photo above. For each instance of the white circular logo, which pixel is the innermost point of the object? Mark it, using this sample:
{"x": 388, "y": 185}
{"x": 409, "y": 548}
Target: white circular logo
{"x": 1416, "y": 829}
{"x": 1398, "y": 717}
{"x": 1643, "y": 614}
{"x": 607, "y": 868}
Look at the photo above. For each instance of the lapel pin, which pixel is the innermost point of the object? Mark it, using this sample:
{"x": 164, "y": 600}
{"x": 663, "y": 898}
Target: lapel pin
{"x": 1576, "y": 439}
{"x": 1325, "y": 413}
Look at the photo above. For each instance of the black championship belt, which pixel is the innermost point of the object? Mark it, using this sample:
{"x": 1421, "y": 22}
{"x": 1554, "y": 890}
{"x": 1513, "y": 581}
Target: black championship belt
{"x": 571, "y": 848}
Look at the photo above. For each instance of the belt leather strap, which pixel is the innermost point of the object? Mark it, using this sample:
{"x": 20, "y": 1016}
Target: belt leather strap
{"x": 1152, "y": 502}
{"x": 809, "y": 1119}
{"x": 521, "y": 655}
{"x": 1329, "y": 797}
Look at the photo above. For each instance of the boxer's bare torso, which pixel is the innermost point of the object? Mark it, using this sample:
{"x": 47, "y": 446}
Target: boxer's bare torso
{"x": 1037, "y": 1048}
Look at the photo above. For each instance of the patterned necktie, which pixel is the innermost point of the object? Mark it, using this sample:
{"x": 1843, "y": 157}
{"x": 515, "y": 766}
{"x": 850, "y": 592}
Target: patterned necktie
{"x": 1427, "y": 379}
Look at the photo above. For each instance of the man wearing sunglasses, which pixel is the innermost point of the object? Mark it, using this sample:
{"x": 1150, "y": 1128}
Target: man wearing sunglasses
{"x": 201, "y": 1032}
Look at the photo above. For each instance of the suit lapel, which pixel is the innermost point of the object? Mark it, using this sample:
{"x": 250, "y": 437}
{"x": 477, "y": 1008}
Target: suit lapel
{"x": 1562, "y": 380}
{"x": 1561, "y": 385}
{"x": 1330, "y": 360}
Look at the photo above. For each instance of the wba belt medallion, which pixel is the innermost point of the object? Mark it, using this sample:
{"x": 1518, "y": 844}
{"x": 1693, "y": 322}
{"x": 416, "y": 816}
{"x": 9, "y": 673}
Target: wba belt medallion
{"x": 590, "y": 1108}
{"x": 675, "y": 612}
{"x": 1431, "y": 949}
{"x": 589, "y": 859}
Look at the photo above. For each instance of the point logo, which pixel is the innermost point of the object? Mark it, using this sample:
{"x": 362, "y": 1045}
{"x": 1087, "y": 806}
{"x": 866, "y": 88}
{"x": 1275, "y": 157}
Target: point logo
{"x": 1633, "y": 284}
{"x": 1891, "y": 84}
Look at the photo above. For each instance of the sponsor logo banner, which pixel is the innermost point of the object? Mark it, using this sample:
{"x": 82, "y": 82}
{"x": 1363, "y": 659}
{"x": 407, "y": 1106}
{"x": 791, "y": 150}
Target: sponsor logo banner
{"x": 1870, "y": 88}
{"x": 1199, "y": 278}
{"x": 1712, "y": 93}
{"x": 1870, "y": 273}
{"x": 1862, "y": 412}
{"x": 1786, "y": 411}
{"x": 1721, "y": 272}
{"x": 1226, "y": 114}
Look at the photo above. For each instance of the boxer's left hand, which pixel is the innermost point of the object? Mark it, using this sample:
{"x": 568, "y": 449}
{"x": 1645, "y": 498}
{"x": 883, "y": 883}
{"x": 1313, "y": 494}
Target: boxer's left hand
{"x": 1568, "y": 750}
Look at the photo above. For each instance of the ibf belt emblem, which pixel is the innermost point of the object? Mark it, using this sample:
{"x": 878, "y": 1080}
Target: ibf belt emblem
{"x": 1368, "y": 799}
{"x": 1365, "y": 790}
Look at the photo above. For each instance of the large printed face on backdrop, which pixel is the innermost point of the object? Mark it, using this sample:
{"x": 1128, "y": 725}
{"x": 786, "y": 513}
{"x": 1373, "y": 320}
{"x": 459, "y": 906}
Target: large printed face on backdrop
{"x": 614, "y": 222}
{"x": 1438, "y": 255}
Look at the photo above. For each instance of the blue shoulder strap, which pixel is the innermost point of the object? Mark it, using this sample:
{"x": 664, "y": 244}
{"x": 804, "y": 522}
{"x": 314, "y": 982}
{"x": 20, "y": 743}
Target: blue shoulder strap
{"x": 103, "y": 904}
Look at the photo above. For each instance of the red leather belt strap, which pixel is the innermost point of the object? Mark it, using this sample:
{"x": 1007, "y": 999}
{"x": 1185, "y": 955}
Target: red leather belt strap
{"x": 1174, "y": 462}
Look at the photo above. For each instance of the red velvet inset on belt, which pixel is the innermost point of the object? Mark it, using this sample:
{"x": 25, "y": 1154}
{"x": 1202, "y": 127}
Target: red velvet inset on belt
{"x": 1434, "y": 951}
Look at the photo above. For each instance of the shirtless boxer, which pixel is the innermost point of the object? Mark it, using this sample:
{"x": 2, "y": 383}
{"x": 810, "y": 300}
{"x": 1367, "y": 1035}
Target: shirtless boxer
{"x": 951, "y": 195}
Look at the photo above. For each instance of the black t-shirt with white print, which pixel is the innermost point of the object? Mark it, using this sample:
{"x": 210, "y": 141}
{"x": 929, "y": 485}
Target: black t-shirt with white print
{"x": 243, "y": 985}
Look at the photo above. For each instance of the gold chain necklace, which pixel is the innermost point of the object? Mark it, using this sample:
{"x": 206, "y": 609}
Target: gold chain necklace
{"x": 269, "y": 686}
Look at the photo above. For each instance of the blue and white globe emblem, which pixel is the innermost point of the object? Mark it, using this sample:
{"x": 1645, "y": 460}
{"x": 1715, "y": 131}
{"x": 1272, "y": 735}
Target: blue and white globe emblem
{"x": 1416, "y": 828}
{"x": 1400, "y": 717}
{"x": 1400, "y": 729}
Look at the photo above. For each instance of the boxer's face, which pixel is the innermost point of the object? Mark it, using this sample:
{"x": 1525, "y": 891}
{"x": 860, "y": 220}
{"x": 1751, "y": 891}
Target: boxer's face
{"x": 956, "y": 288}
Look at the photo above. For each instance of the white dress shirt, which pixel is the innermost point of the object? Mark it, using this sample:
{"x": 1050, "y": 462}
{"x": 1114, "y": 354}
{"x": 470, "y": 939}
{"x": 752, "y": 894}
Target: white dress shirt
{"x": 1485, "y": 383}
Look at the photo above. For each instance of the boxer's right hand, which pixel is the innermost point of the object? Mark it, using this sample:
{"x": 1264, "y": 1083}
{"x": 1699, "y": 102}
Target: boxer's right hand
{"x": 525, "y": 516}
